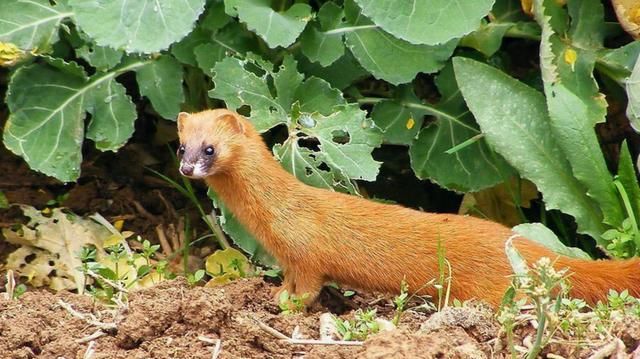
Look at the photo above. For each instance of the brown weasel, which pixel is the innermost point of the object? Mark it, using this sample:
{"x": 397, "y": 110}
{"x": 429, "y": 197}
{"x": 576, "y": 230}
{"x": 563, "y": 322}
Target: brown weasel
{"x": 318, "y": 235}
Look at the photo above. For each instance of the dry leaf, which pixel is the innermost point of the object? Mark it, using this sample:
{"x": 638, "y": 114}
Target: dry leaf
{"x": 628, "y": 13}
{"x": 496, "y": 203}
{"x": 49, "y": 248}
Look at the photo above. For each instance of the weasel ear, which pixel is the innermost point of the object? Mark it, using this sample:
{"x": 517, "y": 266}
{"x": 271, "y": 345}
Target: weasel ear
{"x": 235, "y": 121}
{"x": 182, "y": 119}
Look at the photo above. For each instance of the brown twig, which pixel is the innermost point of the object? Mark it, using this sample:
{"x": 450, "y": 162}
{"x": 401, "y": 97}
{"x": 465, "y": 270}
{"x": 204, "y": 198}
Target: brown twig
{"x": 293, "y": 341}
{"x": 88, "y": 318}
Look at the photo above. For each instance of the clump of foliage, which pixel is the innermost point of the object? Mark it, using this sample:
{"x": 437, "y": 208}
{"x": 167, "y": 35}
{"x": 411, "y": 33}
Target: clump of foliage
{"x": 335, "y": 80}
{"x": 291, "y": 303}
{"x": 540, "y": 295}
{"x": 111, "y": 277}
{"x": 360, "y": 327}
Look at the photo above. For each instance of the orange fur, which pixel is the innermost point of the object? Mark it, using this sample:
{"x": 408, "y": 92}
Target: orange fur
{"x": 319, "y": 235}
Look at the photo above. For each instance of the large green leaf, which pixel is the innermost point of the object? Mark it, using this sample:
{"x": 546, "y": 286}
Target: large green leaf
{"x": 470, "y": 168}
{"x": 430, "y": 22}
{"x": 238, "y": 86}
{"x": 137, "y": 26}
{"x": 48, "y": 102}
{"x": 314, "y": 114}
{"x": 619, "y": 62}
{"x": 112, "y": 115}
{"x": 518, "y": 128}
{"x": 537, "y": 232}
{"x": 632, "y": 85}
{"x": 340, "y": 74}
{"x": 46, "y": 123}
{"x": 317, "y": 43}
{"x": 400, "y": 118}
{"x": 161, "y": 82}
{"x": 101, "y": 57}
{"x": 574, "y": 101}
{"x": 389, "y": 58}
{"x": 505, "y": 15}
{"x": 628, "y": 179}
{"x": 30, "y": 24}
{"x": 233, "y": 39}
{"x": 276, "y": 28}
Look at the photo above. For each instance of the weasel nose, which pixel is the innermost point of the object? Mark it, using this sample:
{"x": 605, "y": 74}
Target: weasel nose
{"x": 186, "y": 169}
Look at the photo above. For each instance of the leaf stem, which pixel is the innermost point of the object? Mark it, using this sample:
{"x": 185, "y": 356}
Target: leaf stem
{"x": 342, "y": 30}
{"x": 432, "y": 110}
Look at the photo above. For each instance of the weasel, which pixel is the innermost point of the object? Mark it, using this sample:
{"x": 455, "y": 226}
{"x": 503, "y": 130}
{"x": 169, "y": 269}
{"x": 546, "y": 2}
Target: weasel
{"x": 318, "y": 235}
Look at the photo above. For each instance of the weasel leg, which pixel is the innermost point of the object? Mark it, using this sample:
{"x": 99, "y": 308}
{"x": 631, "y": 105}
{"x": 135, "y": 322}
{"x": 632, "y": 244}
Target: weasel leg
{"x": 300, "y": 284}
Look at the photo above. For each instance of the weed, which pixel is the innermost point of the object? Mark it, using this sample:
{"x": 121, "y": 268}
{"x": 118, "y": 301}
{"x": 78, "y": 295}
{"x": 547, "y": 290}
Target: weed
{"x": 290, "y": 303}
{"x": 400, "y": 302}
{"x": 359, "y": 328}
{"x": 443, "y": 285}
{"x": 13, "y": 291}
{"x": 195, "y": 277}
{"x": 186, "y": 189}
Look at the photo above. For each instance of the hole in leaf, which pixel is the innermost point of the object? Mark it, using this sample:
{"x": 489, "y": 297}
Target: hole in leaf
{"x": 340, "y": 136}
{"x": 244, "y": 110}
{"x": 324, "y": 167}
{"x": 30, "y": 258}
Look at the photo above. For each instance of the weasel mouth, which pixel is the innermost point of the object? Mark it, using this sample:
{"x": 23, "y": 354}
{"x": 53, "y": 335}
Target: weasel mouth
{"x": 192, "y": 170}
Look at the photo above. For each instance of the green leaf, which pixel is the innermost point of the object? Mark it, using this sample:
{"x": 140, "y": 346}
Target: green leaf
{"x": 620, "y": 61}
{"x": 184, "y": 50}
{"x": 237, "y": 86}
{"x": 430, "y": 22}
{"x": 113, "y": 115}
{"x": 537, "y": 232}
{"x": 487, "y": 39}
{"x": 313, "y": 113}
{"x": 46, "y": 122}
{"x": 161, "y": 82}
{"x": 276, "y": 28}
{"x": 241, "y": 237}
{"x": 4, "y": 202}
{"x": 518, "y": 263}
{"x": 628, "y": 179}
{"x": 318, "y": 45}
{"x": 137, "y": 26}
{"x": 233, "y": 39}
{"x": 48, "y": 102}
{"x": 346, "y": 139}
{"x": 389, "y": 58}
{"x": 469, "y": 169}
{"x": 100, "y": 57}
{"x": 339, "y": 74}
{"x": 575, "y": 103}
{"x": 401, "y": 118}
{"x": 31, "y": 24}
{"x": 632, "y": 85}
{"x": 518, "y": 128}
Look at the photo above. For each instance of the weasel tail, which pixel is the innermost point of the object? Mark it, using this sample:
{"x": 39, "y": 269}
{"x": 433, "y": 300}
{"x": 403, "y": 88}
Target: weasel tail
{"x": 318, "y": 235}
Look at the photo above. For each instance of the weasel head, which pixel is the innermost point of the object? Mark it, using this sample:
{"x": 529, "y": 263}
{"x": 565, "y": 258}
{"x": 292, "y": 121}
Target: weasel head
{"x": 210, "y": 141}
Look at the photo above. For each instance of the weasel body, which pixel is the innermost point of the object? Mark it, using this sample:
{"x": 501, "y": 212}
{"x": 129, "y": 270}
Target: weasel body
{"x": 318, "y": 235}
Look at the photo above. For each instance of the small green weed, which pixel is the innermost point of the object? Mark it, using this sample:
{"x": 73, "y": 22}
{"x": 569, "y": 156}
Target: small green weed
{"x": 13, "y": 291}
{"x": 359, "y": 328}
{"x": 290, "y": 303}
{"x": 400, "y": 302}
{"x": 556, "y": 315}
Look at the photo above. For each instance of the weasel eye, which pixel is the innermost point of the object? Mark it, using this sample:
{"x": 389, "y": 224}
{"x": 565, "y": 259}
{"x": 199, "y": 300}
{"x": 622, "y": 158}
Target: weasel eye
{"x": 208, "y": 151}
{"x": 181, "y": 150}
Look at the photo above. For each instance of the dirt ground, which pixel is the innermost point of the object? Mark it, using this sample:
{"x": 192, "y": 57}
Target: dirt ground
{"x": 173, "y": 320}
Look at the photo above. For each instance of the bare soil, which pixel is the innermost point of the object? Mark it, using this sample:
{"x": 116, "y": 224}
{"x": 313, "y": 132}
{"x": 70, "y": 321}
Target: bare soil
{"x": 171, "y": 319}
